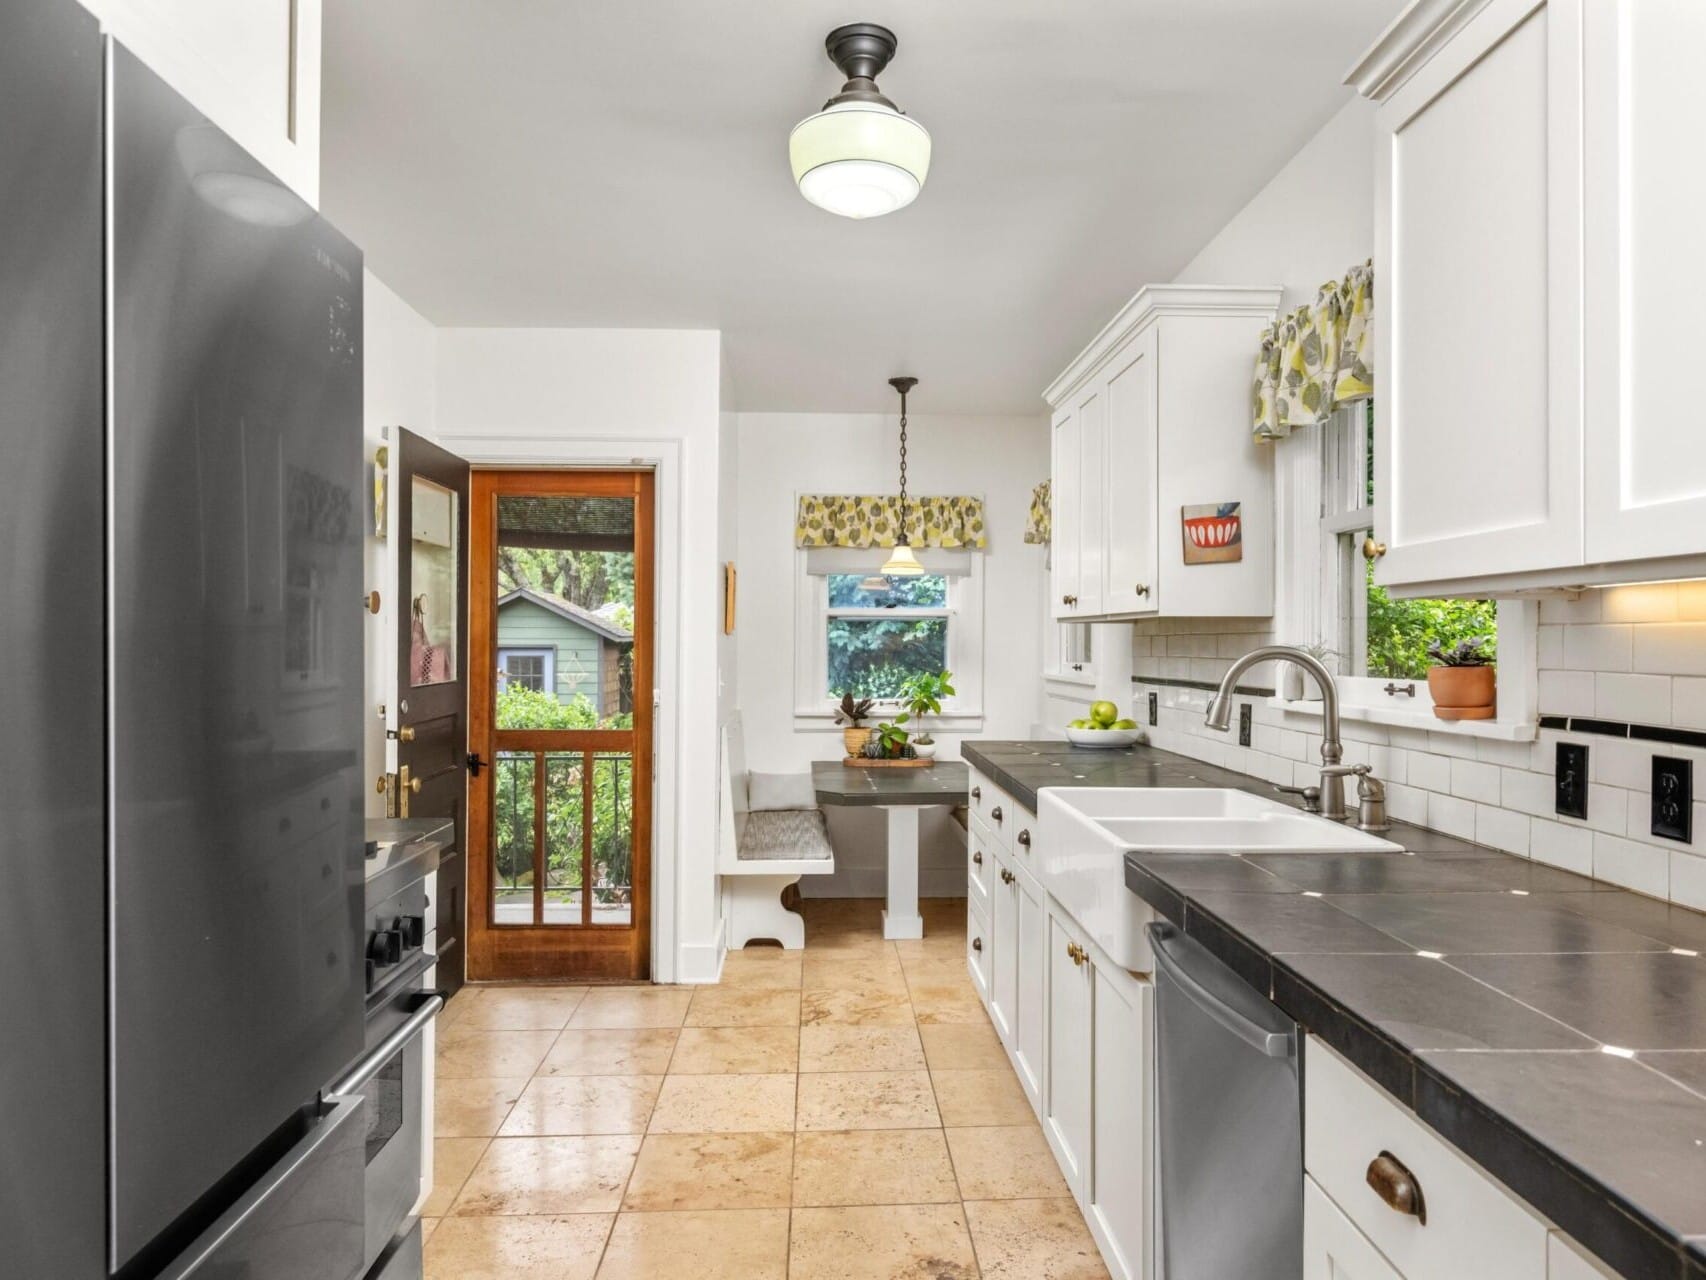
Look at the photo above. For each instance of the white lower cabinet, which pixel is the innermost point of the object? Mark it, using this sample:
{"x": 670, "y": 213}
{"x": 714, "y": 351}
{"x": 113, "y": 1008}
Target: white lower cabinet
{"x": 1121, "y": 1120}
{"x": 1066, "y": 1082}
{"x": 1004, "y": 949}
{"x": 1030, "y": 1030}
{"x": 1333, "y": 1249}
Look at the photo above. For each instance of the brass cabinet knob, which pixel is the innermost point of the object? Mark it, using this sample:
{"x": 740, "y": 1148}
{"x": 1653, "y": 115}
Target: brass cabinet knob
{"x": 1372, "y": 550}
{"x": 977, "y": 793}
{"x": 977, "y": 944}
{"x": 1006, "y": 876}
{"x": 406, "y": 733}
{"x": 1069, "y": 601}
{"x": 1024, "y": 838}
{"x": 1142, "y": 589}
{"x": 1397, "y": 1186}
{"x": 1077, "y": 953}
{"x": 995, "y": 813}
{"x": 977, "y": 858}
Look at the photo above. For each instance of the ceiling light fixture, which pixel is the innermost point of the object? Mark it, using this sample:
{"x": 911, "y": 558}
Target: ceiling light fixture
{"x": 861, "y": 156}
{"x": 902, "y": 563}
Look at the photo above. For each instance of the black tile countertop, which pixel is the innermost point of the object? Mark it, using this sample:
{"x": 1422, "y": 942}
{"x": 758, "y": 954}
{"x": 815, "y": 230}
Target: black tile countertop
{"x": 1551, "y": 1027}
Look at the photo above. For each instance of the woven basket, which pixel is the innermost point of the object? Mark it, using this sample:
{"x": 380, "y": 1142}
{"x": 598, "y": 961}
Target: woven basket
{"x": 855, "y": 740}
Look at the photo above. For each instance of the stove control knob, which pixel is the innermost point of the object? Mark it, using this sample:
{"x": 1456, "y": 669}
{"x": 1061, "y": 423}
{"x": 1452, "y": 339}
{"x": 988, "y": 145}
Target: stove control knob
{"x": 413, "y": 929}
{"x": 386, "y": 947}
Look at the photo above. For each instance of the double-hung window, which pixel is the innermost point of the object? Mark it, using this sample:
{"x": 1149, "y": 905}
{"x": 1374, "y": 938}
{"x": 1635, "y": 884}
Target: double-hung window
{"x": 530, "y": 668}
{"x": 865, "y": 634}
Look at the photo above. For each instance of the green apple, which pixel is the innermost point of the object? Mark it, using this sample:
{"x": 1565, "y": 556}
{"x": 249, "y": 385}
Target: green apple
{"x": 1079, "y": 724}
{"x": 1104, "y": 713}
{"x": 1125, "y": 724}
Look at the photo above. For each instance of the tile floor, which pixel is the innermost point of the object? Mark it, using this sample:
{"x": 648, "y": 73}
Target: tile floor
{"x": 845, "y": 1111}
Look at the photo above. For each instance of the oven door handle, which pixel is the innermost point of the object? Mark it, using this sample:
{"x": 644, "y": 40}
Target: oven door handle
{"x": 1275, "y": 1044}
{"x": 370, "y": 1066}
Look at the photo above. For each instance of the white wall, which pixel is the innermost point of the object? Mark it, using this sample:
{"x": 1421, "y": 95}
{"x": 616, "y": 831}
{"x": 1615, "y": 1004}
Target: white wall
{"x": 623, "y": 397}
{"x": 398, "y": 389}
{"x": 783, "y": 455}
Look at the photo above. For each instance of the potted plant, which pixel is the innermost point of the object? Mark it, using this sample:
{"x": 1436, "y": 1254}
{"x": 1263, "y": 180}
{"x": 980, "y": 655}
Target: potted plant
{"x": 1293, "y": 687}
{"x": 852, "y": 712}
{"x": 1463, "y": 683}
{"x": 890, "y": 741}
{"x": 922, "y": 696}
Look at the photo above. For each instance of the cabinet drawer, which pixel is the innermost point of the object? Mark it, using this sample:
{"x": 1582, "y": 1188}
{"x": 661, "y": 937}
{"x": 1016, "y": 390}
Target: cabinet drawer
{"x": 980, "y": 860}
{"x": 1023, "y": 826}
{"x": 1476, "y": 1230}
{"x": 1333, "y": 1249}
{"x": 978, "y": 948}
{"x": 994, "y": 808}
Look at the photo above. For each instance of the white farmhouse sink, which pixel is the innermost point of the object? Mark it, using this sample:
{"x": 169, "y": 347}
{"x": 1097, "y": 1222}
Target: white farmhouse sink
{"x": 1084, "y": 834}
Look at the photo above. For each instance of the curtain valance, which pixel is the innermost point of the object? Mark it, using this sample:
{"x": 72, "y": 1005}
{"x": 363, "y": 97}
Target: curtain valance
{"x": 873, "y": 520}
{"x": 1039, "y": 527}
{"x": 1316, "y": 357}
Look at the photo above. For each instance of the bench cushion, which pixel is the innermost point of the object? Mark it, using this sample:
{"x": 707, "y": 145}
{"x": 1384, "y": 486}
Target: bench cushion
{"x": 785, "y": 835}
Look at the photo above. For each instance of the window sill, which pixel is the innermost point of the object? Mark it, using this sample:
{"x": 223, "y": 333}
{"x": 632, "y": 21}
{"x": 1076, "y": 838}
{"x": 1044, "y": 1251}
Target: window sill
{"x": 948, "y": 722}
{"x": 1416, "y": 718}
{"x": 1077, "y": 679}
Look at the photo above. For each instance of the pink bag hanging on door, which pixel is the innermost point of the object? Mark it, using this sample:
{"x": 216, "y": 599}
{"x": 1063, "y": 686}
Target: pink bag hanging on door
{"x": 428, "y": 663}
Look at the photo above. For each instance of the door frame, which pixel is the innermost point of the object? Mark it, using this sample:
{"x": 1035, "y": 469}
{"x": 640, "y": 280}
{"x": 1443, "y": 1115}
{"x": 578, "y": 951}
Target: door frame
{"x": 524, "y": 953}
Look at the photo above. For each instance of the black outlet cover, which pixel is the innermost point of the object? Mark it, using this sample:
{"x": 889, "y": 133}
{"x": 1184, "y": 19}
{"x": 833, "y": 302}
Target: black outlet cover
{"x": 1673, "y": 798}
{"x": 1570, "y": 781}
{"x": 1154, "y": 708}
{"x": 1243, "y": 724}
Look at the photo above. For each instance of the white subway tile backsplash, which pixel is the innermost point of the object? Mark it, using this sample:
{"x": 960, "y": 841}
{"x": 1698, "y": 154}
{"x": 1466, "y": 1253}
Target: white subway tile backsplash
{"x": 1691, "y": 601}
{"x": 1566, "y": 693}
{"x": 1600, "y": 647}
{"x": 1475, "y": 781}
{"x": 1621, "y": 762}
{"x": 1688, "y": 879}
{"x": 1677, "y": 648}
{"x": 1549, "y": 641}
{"x": 1454, "y": 816}
{"x": 1642, "y": 867}
{"x": 1497, "y": 751}
{"x": 1638, "y": 698}
{"x": 1501, "y": 828}
{"x": 1526, "y": 792}
{"x": 1407, "y": 804}
{"x": 1608, "y": 809}
{"x": 1561, "y": 846}
{"x": 1688, "y": 702}
{"x": 1584, "y": 608}
{"x": 1641, "y": 602}
{"x": 1448, "y": 744}
{"x": 1430, "y": 772}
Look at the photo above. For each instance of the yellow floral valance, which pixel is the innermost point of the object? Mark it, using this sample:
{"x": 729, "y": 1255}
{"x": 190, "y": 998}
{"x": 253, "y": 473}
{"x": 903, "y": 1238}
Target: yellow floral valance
{"x": 873, "y": 520}
{"x": 1316, "y": 357}
{"x": 1039, "y": 528}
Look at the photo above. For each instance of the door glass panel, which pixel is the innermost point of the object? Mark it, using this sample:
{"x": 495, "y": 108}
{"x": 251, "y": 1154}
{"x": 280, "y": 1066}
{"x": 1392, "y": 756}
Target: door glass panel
{"x": 432, "y": 576}
{"x": 565, "y": 613}
{"x": 565, "y": 836}
{"x": 513, "y": 829}
{"x": 612, "y": 838}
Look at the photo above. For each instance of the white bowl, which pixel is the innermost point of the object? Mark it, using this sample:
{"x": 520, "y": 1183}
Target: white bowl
{"x": 1104, "y": 737}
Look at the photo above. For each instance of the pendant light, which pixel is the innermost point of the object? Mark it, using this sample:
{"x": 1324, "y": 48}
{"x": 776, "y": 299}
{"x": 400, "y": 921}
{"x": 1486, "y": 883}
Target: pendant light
{"x": 902, "y": 563}
{"x": 861, "y": 156}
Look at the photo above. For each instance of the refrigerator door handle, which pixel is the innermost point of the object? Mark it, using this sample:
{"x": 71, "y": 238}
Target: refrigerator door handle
{"x": 370, "y": 1066}
{"x": 1275, "y": 1044}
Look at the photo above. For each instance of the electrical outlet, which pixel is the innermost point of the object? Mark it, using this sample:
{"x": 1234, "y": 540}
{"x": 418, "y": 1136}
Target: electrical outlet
{"x": 1673, "y": 798}
{"x": 1243, "y": 724}
{"x": 1570, "y": 781}
{"x": 1154, "y": 708}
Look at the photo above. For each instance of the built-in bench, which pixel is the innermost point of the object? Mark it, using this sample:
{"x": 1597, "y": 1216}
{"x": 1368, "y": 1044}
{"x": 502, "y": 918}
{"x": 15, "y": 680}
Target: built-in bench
{"x": 762, "y": 851}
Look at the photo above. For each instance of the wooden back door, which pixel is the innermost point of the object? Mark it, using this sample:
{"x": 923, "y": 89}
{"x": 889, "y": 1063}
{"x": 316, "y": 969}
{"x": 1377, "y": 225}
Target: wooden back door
{"x": 560, "y": 707}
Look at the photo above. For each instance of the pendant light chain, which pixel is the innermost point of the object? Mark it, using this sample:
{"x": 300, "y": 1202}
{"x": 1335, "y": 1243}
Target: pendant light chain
{"x": 904, "y": 536}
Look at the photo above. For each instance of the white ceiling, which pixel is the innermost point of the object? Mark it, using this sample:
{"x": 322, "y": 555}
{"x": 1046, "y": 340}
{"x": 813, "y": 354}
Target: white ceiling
{"x": 623, "y": 163}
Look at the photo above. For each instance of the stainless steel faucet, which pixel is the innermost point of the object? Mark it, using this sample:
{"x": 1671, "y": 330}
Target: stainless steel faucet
{"x": 1329, "y": 799}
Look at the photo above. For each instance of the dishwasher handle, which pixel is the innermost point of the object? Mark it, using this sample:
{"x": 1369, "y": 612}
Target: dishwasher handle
{"x": 1275, "y": 1044}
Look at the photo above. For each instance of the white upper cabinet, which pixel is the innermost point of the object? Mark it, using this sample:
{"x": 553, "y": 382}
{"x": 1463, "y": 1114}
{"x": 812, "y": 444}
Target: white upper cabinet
{"x": 1152, "y": 417}
{"x": 250, "y": 66}
{"x": 1536, "y": 278}
{"x": 1646, "y": 457}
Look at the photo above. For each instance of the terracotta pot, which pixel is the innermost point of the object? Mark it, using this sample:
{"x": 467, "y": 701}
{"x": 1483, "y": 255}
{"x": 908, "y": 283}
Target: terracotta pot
{"x": 855, "y": 740}
{"x": 1460, "y": 690}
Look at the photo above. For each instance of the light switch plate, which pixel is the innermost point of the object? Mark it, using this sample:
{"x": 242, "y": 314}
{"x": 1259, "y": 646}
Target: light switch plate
{"x": 1673, "y": 798}
{"x": 1570, "y": 781}
{"x": 1243, "y": 724}
{"x": 1154, "y": 708}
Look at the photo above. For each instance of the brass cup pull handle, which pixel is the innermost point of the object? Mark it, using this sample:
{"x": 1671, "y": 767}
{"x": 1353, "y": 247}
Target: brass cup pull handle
{"x": 995, "y": 813}
{"x": 977, "y": 793}
{"x": 1397, "y": 1186}
{"x": 1024, "y": 838}
{"x": 1372, "y": 550}
{"x": 1006, "y": 876}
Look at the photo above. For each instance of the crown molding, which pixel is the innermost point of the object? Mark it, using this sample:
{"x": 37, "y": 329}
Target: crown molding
{"x": 1413, "y": 37}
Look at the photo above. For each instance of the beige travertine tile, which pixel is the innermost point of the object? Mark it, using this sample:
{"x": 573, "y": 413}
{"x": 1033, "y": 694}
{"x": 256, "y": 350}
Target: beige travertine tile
{"x": 870, "y": 974}
{"x": 873, "y": 1166}
{"x": 428, "y": 1226}
{"x": 937, "y": 973}
{"x": 948, "y": 1002}
{"x": 458, "y": 1007}
{"x": 763, "y": 968}
{"x": 453, "y": 1159}
{"x": 549, "y": 1176}
{"x": 711, "y": 1171}
{"x": 883, "y": 1242}
{"x": 977, "y": 1098}
{"x": 1033, "y": 1240}
{"x": 735, "y": 1051}
{"x": 473, "y": 1108}
{"x": 830, "y": 1047}
{"x": 642, "y": 1051}
{"x": 1007, "y": 1162}
{"x": 725, "y": 1104}
{"x": 633, "y": 1007}
{"x": 718, "y": 1244}
{"x": 583, "y": 1104}
{"x": 855, "y": 1008}
{"x": 867, "y": 1100}
{"x": 472, "y": 1054}
{"x": 566, "y": 1247}
{"x": 739, "y": 1007}
{"x": 965, "y": 1046}
{"x": 522, "y": 1009}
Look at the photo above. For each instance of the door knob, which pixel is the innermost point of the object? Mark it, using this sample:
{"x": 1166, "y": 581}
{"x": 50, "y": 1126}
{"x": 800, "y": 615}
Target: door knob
{"x": 370, "y": 602}
{"x": 414, "y": 786}
{"x": 1372, "y": 550}
{"x": 406, "y": 733}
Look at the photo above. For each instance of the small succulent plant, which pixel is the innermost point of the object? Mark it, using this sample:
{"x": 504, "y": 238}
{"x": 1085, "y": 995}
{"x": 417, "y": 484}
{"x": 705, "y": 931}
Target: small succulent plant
{"x": 1465, "y": 653}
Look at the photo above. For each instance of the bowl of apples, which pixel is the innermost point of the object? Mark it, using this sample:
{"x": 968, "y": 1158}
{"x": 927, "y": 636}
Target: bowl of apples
{"x": 1104, "y": 728}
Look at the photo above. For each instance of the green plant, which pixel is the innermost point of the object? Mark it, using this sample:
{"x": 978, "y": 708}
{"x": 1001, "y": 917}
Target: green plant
{"x": 892, "y": 738}
{"x": 852, "y": 712}
{"x": 922, "y": 696}
{"x": 1470, "y": 652}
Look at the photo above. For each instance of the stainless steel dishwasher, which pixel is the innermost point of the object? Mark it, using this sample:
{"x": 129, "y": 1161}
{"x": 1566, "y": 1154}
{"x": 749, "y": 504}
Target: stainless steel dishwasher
{"x": 1229, "y": 1121}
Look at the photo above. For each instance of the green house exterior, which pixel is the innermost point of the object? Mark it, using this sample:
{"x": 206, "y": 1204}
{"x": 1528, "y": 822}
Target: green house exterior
{"x": 549, "y": 642}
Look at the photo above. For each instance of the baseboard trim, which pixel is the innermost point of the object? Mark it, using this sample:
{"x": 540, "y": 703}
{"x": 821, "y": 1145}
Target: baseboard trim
{"x": 702, "y": 963}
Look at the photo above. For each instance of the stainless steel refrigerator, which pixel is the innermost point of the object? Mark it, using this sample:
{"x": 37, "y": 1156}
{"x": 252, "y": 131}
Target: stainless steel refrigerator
{"x": 181, "y": 855}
